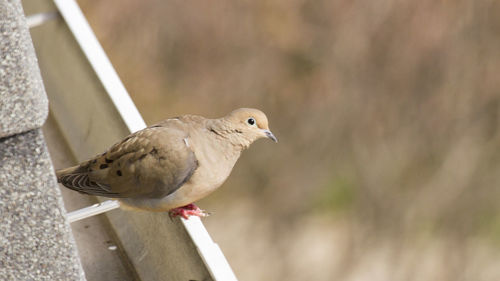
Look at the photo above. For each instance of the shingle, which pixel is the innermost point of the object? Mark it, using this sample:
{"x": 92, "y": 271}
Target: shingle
{"x": 35, "y": 240}
{"x": 23, "y": 103}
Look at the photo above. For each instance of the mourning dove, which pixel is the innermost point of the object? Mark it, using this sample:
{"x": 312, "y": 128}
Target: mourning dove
{"x": 170, "y": 165}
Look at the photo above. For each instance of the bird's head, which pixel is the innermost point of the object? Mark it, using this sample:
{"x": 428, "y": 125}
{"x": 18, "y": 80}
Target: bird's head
{"x": 250, "y": 124}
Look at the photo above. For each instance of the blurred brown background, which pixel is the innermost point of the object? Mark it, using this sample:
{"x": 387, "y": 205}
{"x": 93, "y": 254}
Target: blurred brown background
{"x": 387, "y": 114}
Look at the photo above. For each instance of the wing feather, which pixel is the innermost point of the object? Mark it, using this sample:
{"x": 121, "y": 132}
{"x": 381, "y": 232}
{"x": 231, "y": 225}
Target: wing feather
{"x": 153, "y": 162}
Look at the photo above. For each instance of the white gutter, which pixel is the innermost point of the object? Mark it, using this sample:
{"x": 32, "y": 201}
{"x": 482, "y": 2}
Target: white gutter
{"x": 209, "y": 251}
{"x": 39, "y": 19}
{"x": 93, "y": 210}
{"x": 97, "y": 58}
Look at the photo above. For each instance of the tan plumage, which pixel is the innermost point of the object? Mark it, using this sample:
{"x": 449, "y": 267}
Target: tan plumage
{"x": 170, "y": 164}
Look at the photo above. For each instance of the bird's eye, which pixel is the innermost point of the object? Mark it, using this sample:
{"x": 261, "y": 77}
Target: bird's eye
{"x": 251, "y": 121}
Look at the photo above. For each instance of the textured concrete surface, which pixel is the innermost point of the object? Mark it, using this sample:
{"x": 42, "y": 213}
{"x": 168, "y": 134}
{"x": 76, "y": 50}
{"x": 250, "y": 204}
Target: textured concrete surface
{"x": 35, "y": 240}
{"x": 23, "y": 103}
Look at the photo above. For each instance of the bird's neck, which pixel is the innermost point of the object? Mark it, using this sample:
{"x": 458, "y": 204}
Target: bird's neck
{"x": 223, "y": 130}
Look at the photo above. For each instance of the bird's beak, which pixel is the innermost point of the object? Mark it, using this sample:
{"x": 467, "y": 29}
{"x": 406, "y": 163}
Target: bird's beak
{"x": 270, "y": 135}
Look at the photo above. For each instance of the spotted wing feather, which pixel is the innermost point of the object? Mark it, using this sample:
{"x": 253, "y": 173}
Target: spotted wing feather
{"x": 153, "y": 162}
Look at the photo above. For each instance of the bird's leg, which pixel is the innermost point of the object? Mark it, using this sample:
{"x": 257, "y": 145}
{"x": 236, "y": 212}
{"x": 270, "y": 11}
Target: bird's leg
{"x": 186, "y": 211}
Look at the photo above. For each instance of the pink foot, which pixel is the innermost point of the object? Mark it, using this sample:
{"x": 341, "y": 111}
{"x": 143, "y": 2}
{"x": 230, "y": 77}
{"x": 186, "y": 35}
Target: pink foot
{"x": 186, "y": 211}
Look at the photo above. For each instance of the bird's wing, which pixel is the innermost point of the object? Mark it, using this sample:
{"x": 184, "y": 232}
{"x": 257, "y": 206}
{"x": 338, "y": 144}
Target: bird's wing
{"x": 150, "y": 163}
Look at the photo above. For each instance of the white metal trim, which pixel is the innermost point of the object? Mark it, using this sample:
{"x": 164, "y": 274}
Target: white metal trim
{"x": 40, "y": 18}
{"x": 97, "y": 58}
{"x": 93, "y": 210}
{"x": 209, "y": 251}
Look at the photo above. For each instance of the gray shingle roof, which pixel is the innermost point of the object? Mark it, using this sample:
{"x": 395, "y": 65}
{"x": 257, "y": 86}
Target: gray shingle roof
{"x": 23, "y": 103}
{"x": 35, "y": 239}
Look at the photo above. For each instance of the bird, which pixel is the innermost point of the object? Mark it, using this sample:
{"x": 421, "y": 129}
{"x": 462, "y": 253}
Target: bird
{"x": 170, "y": 165}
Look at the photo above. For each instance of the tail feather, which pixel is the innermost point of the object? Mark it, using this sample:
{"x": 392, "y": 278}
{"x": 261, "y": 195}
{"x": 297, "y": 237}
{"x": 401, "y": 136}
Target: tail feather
{"x": 77, "y": 178}
{"x": 71, "y": 170}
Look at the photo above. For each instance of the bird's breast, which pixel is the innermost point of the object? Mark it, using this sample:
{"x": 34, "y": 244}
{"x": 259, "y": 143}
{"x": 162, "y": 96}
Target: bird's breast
{"x": 214, "y": 166}
{"x": 211, "y": 174}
